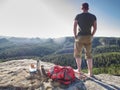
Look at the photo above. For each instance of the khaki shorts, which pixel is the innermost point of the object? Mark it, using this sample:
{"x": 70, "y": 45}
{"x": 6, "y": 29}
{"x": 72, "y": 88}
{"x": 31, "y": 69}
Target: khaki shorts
{"x": 83, "y": 42}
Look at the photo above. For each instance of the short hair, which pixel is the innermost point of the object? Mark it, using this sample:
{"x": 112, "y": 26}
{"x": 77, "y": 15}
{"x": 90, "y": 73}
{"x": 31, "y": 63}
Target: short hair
{"x": 85, "y": 6}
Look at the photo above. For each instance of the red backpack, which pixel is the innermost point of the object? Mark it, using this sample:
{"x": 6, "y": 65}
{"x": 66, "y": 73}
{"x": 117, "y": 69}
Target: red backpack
{"x": 62, "y": 74}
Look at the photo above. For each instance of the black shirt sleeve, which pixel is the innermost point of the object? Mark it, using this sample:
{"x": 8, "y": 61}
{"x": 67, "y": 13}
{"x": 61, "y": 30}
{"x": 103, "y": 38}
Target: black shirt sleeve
{"x": 76, "y": 18}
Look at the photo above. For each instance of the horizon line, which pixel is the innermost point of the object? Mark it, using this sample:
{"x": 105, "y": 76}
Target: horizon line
{"x": 51, "y": 37}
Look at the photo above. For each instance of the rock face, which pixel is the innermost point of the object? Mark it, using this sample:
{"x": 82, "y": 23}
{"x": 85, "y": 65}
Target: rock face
{"x": 14, "y": 75}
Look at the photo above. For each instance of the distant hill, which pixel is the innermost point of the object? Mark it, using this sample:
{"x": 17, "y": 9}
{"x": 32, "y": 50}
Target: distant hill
{"x": 13, "y": 46}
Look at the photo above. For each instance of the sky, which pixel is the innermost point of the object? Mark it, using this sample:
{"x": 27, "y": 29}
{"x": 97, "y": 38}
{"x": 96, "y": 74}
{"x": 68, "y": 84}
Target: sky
{"x": 54, "y": 18}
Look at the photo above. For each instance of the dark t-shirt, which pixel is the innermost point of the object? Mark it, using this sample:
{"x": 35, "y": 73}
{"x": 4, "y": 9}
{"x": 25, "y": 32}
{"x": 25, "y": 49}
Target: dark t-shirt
{"x": 85, "y": 22}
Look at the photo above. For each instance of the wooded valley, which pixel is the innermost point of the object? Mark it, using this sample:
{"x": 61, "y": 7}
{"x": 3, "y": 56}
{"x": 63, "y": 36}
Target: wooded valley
{"x": 106, "y": 52}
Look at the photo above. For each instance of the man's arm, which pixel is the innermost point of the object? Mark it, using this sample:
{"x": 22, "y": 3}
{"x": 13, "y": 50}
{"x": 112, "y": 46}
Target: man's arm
{"x": 75, "y": 28}
{"x": 94, "y": 28}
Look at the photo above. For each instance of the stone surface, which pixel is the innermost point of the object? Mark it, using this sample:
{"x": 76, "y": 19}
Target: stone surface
{"x": 15, "y": 75}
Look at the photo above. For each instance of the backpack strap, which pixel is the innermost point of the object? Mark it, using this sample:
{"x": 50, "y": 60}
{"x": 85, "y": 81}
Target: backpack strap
{"x": 66, "y": 75}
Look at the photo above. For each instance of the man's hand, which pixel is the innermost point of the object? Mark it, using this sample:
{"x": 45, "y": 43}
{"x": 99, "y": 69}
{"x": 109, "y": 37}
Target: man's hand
{"x": 94, "y": 28}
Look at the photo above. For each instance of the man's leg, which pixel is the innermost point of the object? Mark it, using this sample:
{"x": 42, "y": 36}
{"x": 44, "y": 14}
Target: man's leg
{"x": 78, "y": 61}
{"x": 89, "y": 58}
{"x": 77, "y": 55}
{"x": 90, "y": 66}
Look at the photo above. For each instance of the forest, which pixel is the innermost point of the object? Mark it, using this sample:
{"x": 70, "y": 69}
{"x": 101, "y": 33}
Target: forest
{"x": 106, "y": 52}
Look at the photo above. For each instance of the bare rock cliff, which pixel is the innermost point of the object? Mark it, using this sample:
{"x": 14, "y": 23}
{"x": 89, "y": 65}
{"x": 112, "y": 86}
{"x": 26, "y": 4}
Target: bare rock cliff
{"x": 14, "y": 75}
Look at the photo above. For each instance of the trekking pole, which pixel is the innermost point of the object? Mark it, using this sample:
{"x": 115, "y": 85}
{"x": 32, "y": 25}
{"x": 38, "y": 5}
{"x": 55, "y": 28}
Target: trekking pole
{"x": 38, "y": 64}
{"x": 38, "y": 68}
{"x": 43, "y": 71}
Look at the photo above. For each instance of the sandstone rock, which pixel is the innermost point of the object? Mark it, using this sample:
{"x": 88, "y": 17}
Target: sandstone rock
{"x": 15, "y": 75}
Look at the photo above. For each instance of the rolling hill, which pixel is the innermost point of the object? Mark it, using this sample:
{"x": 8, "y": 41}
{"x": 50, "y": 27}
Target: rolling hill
{"x": 106, "y": 51}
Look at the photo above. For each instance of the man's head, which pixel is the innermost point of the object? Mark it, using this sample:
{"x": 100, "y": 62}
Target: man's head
{"x": 85, "y": 6}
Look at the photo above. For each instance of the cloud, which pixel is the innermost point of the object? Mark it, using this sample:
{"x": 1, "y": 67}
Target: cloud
{"x": 44, "y": 18}
{"x": 33, "y": 18}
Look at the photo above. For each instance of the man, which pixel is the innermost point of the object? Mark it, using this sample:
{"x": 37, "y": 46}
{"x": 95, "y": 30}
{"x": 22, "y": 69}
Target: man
{"x": 87, "y": 27}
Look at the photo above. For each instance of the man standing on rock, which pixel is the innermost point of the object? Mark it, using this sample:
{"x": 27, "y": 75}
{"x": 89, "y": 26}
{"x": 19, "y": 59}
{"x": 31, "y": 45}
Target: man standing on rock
{"x": 87, "y": 27}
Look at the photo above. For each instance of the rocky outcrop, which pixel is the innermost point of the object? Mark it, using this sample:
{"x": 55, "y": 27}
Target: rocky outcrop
{"x": 15, "y": 75}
